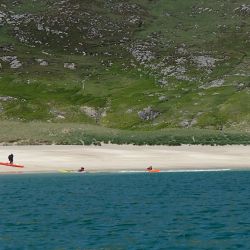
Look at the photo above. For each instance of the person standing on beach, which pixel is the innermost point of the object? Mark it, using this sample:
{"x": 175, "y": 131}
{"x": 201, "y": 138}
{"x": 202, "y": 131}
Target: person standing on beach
{"x": 11, "y": 158}
{"x": 149, "y": 168}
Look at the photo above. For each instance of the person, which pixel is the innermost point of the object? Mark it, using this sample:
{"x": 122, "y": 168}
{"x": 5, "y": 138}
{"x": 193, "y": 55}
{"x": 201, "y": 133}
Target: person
{"x": 81, "y": 169}
{"x": 149, "y": 168}
{"x": 11, "y": 157}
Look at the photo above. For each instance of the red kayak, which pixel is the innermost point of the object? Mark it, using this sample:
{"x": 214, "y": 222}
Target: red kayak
{"x": 11, "y": 165}
{"x": 154, "y": 170}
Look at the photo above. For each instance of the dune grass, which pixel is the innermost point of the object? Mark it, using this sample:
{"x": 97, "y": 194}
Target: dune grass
{"x": 20, "y": 133}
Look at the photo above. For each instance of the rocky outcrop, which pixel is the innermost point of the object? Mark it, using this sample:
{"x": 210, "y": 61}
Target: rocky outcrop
{"x": 148, "y": 114}
{"x": 71, "y": 66}
{"x": 82, "y": 25}
{"x": 243, "y": 10}
{"x": 96, "y": 113}
{"x": 12, "y": 60}
{"x": 2, "y": 18}
{"x": 42, "y": 62}
{"x": 204, "y": 61}
{"x": 7, "y": 98}
{"x": 58, "y": 114}
{"x": 6, "y": 48}
{"x": 142, "y": 53}
{"x": 213, "y": 84}
{"x": 188, "y": 123}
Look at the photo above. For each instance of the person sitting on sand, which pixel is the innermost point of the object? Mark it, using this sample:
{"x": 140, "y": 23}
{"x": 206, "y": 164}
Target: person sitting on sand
{"x": 149, "y": 168}
{"x": 11, "y": 158}
{"x": 81, "y": 169}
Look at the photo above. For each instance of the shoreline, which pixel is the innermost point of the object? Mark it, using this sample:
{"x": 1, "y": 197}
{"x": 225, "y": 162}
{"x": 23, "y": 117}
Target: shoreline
{"x": 124, "y": 158}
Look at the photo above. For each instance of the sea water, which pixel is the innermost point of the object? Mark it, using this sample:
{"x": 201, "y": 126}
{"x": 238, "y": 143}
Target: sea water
{"x": 189, "y": 210}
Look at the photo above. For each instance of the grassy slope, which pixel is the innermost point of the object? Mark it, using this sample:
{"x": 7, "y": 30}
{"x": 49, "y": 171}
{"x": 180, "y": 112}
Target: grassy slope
{"x": 115, "y": 81}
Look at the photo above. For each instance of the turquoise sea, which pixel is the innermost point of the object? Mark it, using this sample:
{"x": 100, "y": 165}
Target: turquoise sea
{"x": 189, "y": 210}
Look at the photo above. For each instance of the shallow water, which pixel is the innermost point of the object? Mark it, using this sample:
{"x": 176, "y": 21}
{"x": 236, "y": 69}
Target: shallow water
{"x": 190, "y": 210}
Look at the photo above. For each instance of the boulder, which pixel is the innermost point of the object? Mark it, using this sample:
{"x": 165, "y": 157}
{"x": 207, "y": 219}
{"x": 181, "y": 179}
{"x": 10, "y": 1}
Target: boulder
{"x": 148, "y": 114}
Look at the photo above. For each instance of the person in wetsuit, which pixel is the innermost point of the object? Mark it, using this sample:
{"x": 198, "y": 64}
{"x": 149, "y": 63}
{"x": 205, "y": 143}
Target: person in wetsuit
{"x": 11, "y": 158}
{"x": 149, "y": 168}
{"x": 81, "y": 169}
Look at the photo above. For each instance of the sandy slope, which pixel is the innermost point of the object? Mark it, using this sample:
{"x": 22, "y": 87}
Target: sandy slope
{"x": 126, "y": 157}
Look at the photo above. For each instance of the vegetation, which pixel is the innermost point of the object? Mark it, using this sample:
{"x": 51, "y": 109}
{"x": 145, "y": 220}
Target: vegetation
{"x": 142, "y": 72}
{"x": 19, "y": 133}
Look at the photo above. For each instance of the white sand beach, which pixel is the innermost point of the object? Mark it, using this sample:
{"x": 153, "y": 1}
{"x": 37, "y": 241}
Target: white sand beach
{"x": 37, "y": 159}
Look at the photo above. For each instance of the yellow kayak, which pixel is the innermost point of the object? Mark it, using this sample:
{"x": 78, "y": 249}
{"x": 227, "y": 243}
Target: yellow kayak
{"x": 70, "y": 171}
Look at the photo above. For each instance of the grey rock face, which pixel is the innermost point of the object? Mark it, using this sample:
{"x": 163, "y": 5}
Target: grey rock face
{"x": 2, "y": 18}
{"x": 188, "y": 123}
{"x": 163, "y": 98}
{"x": 6, "y": 48}
{"x": 58, "y": 114}
{"x": 206, "y": 62}
{"x": 243, "y": 10}
{"x": 142, "y": 53}
{"x": 214, "y": 84}
{"x": 148, "y": 114}
{"x": 7, "y": 98}
{"x": 96, "y": 113}
{"x": 12, "y": 60}
{"x": 42, "y": 62}
{"x": 71, "y": 66}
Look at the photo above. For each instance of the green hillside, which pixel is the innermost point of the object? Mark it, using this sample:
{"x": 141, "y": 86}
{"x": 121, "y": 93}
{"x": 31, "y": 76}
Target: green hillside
{"x": 145, "y": 65}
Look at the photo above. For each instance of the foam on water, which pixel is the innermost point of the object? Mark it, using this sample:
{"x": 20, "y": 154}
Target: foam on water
{"x": 175, "y": 170}
{"x": 195, "y": 170}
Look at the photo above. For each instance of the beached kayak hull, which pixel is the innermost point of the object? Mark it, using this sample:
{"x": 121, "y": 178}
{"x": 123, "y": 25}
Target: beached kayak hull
{"x": 11, "y": 165}
{"x": 70, "y": 171}
{"x": 154, "y": 171}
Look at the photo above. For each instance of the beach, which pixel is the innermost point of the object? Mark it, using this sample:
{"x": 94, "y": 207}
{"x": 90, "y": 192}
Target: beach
{"x": 110, "y": 157}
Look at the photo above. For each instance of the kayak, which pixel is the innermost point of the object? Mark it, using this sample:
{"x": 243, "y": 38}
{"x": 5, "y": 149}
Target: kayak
{"x": 70, "y": 171}
{"x": 11, "y": 165}
{"x": 154, "y": 171}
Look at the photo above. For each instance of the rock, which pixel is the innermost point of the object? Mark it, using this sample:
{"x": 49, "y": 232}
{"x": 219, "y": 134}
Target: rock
{"x": 242, "y": 86}
{"x": 188, "y": 123}
{"x": 206, "y": 62}
{"x": 12, "y": 60}
{"x": 58, "y": 114}
{"x": 15, "y": 64}
{"x": 185, "y": 123}
{"x": 71, "y": 66}
{"x": 96, "y": 113}
{"x": 213, "y": 84}
{"x": 182, "y": 51}
{"x": 142, "y": 53}
{"x": 2, "y": 18}
{"x": 163, "y": 98}
{"x": 60, "y": 117}
{"x": 148, "y": 114}
{"x": 243, "y": 10}
{"x": 6, "y": 48}
{"x": 7, "y": 98}
{"x": 181, "y": 60}
{"x": 162, "y": 82}
{"x": 42, "y": 62}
